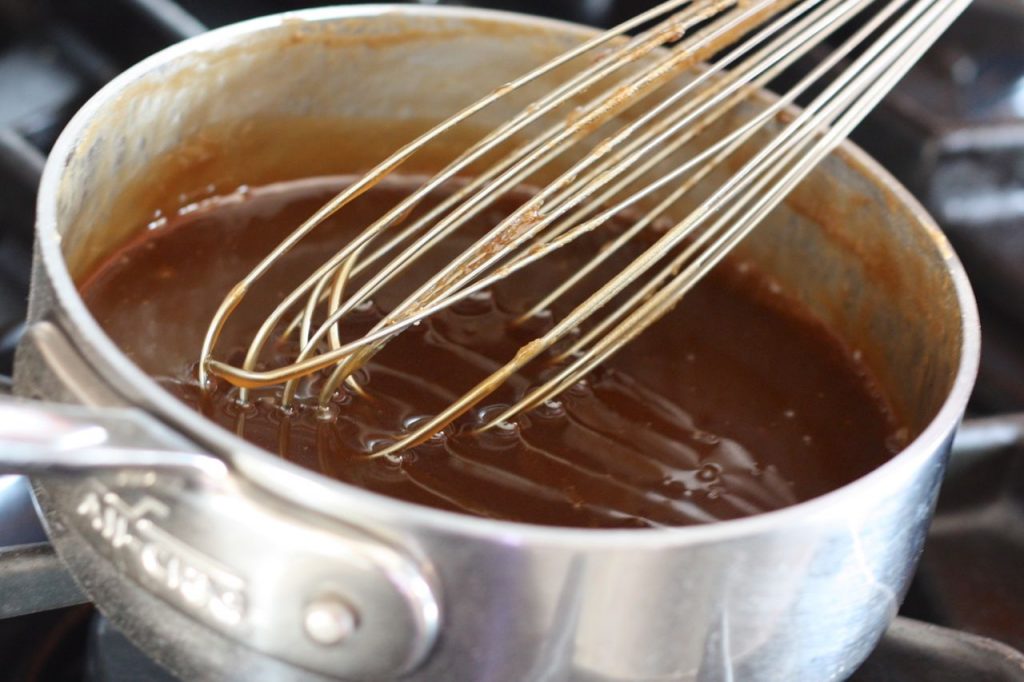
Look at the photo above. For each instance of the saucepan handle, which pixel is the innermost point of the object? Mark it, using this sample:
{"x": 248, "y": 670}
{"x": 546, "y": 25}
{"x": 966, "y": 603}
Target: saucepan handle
{"x": 184, "y": 534}
{"x": 39, "y": 439}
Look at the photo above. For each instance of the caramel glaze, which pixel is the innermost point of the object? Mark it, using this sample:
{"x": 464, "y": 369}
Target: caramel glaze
{"x": 736, "y": 403}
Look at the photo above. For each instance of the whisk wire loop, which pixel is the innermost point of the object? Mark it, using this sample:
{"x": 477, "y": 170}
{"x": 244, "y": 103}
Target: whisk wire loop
{"x": 531, "y": 217}
{"x": 632, "y": 51}
{"x": 876, "y": 80}
{"x": 617, "y": 162}
{"x": 382, "y": 170}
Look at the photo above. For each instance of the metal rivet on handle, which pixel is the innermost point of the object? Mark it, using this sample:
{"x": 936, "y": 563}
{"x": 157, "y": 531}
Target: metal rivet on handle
{"x": 329, "y": 621}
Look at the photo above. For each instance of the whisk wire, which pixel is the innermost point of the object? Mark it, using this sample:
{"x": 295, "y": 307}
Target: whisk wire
{"x": 865, "y": 71}
{"x": 529, "y": 219}
{"x": 780, "y": 56}
{"x": 612, "y": 175}
{"x": 675, "y": 25}
{"x": 631, "y": 52}
{"x": 386, "y": 167}
{"x": 884, "y": 71}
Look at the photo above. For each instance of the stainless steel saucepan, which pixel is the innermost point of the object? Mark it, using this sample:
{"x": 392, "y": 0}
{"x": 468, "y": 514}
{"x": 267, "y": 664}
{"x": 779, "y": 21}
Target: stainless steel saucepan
{"x": 224, "y": 561}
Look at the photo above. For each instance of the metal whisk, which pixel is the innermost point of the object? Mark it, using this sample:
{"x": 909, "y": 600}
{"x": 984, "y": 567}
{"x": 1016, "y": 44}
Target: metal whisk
{"x": 615, "y": 73}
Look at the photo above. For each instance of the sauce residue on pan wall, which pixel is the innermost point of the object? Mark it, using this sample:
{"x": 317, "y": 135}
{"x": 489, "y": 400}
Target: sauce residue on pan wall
{"x": 736, "y": 403}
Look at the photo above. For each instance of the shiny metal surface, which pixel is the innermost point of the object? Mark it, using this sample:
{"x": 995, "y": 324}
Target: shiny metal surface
{"x": 143, "y": 506}
{"x": 798, "y": 594}
{"x": 47, "y": 584}
{"x": 49, "y": 439}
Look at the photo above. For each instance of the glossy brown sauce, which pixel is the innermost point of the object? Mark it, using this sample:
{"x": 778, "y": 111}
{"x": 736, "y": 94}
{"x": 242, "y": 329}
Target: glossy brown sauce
{"x": 736, "y": 403}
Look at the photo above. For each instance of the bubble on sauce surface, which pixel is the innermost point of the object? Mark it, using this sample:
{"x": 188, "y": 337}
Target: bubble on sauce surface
{"x": 709, "y": 473}
{"x": 580, "y": 389}
{"x": 502, "y": 434}
{"x": 550, "y": 409}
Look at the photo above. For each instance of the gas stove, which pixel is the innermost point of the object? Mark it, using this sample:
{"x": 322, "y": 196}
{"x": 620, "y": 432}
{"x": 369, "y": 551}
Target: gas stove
{"x": 953, "y": 133}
